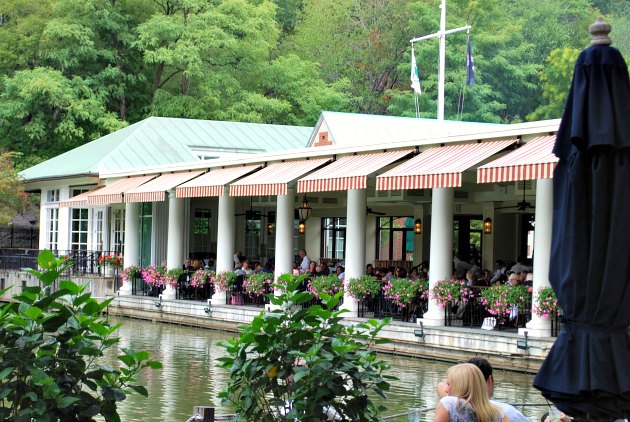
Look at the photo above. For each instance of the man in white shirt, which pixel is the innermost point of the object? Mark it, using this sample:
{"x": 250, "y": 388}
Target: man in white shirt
{"x": 305, "y": 261}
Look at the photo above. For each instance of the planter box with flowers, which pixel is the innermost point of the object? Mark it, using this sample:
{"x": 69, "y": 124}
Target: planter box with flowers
{"x": 202, "y": 276}
{"x": 404, "y": 292}
{"x": 329, "y": 284}
{"x": 502, "y": 301}
{"x": 363, "y": 288}
{"x": 451, "y": 291}
{"x": 172, "y": 276}
{"x": 256, "y": 285}
{"x": 109, "y": 262}
{"x": 546, "y": 304}
{"x": 153, "y": 276}
{"x": 223, "y": 281}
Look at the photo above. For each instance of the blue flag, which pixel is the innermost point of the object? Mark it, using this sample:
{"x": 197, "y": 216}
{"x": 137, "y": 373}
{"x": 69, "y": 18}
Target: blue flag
{"x": 470, "y": 65}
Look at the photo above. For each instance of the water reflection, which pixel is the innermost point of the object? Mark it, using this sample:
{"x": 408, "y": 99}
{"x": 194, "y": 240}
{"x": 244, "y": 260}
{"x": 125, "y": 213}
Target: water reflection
{"x": 190, "y": 376}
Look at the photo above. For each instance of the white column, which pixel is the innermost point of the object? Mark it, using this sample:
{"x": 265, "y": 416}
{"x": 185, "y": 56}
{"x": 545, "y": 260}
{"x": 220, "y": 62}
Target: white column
{"x": 284, "y": 233}
{"x": 225, "y": 240}
{"x": 441, "y": 252}
{"x": 355, "y": 243}
{"x": 175, "y": 245}
{"x": 538, "y": 326}
{"x": 131, "y": 252}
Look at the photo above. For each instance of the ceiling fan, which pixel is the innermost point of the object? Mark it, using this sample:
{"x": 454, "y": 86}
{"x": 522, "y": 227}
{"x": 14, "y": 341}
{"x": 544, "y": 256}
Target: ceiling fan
{"x": 251, "y": 214}
{"x": 371, "y": 211}
{"x": 520, "y": 206}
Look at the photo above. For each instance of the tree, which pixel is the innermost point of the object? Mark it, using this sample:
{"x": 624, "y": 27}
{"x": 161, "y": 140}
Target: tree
{"x": 301, "y": 364}
{"x": 43, "y": 113}
{"x": 51, "y": 341}
{"x": 12, "y": 195}
{"x": 556, "y": 79}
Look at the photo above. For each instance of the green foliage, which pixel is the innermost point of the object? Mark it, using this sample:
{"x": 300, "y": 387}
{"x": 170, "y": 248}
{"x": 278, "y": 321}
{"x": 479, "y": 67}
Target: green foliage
{"x": 325, "y": 285}
{"x": 445, "y": 291}
{"x": 257, "y": 284}
{"x": 305, "y": 357}
{"x": 501, "y": 300}
{"x": 51, "y": 341}
{"x": 12, "y": 195}
{"x": 363, "y": 287}
{"x": 556, "y": 79}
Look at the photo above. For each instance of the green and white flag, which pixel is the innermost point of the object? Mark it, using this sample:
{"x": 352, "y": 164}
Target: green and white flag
{"x": 415, "y": 79}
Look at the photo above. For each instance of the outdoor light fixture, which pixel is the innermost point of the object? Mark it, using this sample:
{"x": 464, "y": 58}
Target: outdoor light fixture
{"x": 304, "y": 211}
{"x": 269, "y": 229}
{"x": 206, "y": 309}
{"x": 419, "y": 332}
{"x": 159, "y": 304}
{"x": 417, "y": 226}
{"x": 522, "y": 344}
{"x": 487, "y": 226}
{"x": 302, "y": 227}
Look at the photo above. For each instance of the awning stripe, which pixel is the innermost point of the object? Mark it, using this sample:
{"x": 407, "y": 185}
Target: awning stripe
{"x": 273, "y": 179}
{"x": 213, "y": 182}
{"x": 154, "y": 190}
{"x": 113, "y": 193}
{"x": 349, "y": 172}
{"x": 534, "y": 160}
{"x": 79, "y": 201}
{"x": 439, "y": 167}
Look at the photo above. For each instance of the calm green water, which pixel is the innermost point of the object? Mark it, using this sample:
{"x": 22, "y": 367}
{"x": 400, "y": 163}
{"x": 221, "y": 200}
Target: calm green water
{"x": 190, "y": 376}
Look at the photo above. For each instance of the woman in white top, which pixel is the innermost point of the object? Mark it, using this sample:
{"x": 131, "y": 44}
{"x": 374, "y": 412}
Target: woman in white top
{"x": 468, "y": 401}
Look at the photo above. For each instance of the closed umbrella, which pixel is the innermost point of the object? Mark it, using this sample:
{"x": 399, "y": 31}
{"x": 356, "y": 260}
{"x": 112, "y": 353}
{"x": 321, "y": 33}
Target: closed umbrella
{"x": 587, "y": 371}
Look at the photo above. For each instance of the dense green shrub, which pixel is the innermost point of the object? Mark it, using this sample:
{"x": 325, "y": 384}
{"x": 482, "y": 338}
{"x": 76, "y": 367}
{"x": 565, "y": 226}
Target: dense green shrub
{"x": 51, "y": 340}
{"x": 299, "y": 363}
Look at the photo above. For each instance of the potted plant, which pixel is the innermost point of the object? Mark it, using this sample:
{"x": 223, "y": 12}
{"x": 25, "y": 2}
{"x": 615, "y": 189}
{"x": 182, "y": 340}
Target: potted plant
{"x": 445, "y": 291}
{"x": 257, "y": 284}
{"x": 329, "y": 284}
{"x": 200, "y": 277}
{"x": 224, "y": 281}
{"x": 110, "y": 262}
{"x": 365, "y": 287}
{"x": 129, "y": 273}
{"x": 502, "y": 301}
{"x": 153, "y": 275}
{"x": 172, "y": 276}
{"x": 546, "y": 304}
{"x": 402, "y": 291}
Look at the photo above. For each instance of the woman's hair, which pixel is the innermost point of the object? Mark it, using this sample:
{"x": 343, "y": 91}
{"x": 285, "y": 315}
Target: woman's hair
{"x": 467, "y": 382}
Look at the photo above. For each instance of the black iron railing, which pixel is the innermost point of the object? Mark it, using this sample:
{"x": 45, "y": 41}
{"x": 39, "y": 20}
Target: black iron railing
{"x": 381, "y": 307}
{"x": 83, "y": 261}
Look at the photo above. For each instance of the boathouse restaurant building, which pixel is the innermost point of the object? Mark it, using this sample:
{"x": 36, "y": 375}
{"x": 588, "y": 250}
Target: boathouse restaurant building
{"x": 164, "y": 189}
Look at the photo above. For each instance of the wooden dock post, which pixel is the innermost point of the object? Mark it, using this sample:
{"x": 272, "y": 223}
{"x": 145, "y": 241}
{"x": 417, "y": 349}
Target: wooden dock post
{"x": 206, "y": 413}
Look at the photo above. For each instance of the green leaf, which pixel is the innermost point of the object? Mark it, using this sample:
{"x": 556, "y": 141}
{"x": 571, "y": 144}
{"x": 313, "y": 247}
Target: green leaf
{"x": 64, "y": 402}
{"x": 33, "y": 313}
{"x": 68, "y": 285}
{"x": 91, "y": 307}
{"x": 6, "y": 371}
{"x": 47, "y": 260}
{"x": 140, "y": 390}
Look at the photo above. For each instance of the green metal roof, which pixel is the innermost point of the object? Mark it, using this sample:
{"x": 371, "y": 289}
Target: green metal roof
{"x": 162, "y": 140}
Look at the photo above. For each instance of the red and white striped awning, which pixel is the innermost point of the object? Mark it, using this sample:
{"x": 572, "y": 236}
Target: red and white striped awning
{"x": 79, "y": 201}
{"x": 439, "y": 167}
{"x": 213, "y": 182}
{"x": 273, "y": 179}
{"x": 348, "y": 172}
{"x": 113, "y": 193}
{"x": 534, "y": 160}
{"x": 154, "y": 190}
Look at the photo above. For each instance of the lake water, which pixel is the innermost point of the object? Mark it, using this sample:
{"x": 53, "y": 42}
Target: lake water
{"x": 190, "y": 376}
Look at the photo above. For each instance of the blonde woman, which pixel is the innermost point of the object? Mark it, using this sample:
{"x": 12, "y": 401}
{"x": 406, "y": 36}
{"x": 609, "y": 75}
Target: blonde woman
{"x": 468, "y": 401}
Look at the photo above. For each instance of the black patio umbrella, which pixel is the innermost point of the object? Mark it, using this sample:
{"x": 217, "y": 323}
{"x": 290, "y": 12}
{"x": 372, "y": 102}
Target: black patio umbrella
{"x": 587, "y": 372}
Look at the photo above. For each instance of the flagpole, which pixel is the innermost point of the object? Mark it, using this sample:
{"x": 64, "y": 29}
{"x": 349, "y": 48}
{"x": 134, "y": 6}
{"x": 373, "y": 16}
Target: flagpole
{"x": 442, "y": 67}
{"x": 442, "y": 59}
